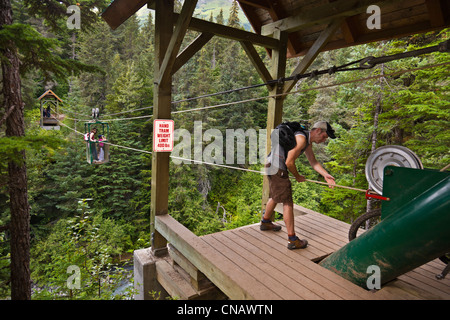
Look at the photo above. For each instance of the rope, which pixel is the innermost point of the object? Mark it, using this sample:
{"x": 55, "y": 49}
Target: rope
{"x": 334, "y": 185}
{"x": 364, "y": 63}
{"x": 292, "y": 92}
{"x": 216, "y": 164}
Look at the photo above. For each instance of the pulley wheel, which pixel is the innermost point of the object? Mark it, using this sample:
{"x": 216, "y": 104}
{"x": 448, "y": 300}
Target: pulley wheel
{"x": 397, "y": 156}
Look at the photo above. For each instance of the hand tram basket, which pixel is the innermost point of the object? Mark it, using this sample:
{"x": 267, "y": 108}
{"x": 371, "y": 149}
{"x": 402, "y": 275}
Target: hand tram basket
{"x": 97, "y": 151}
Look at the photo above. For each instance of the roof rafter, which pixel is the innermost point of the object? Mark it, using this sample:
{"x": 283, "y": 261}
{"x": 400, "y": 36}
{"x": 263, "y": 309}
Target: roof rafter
{"x": 320, "y": 15}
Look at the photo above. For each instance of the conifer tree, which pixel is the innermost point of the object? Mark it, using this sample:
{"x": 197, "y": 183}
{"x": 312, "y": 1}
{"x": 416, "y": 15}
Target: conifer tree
{"x": 23, "y": 49}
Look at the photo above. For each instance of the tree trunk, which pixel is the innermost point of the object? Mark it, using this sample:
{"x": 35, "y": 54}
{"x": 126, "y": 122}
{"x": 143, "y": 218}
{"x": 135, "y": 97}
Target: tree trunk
{"x": 20, "y": 217}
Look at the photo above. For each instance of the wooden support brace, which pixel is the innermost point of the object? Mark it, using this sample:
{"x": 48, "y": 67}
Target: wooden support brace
{"x": 257, "y": 62}
{"x": 190, "y": 50}
{"x": 313, "y": 52}
{"x": 231, "y": 33}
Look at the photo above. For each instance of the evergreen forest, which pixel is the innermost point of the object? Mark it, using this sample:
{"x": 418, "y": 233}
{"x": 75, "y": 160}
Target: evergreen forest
{"x": 95, "y": 216}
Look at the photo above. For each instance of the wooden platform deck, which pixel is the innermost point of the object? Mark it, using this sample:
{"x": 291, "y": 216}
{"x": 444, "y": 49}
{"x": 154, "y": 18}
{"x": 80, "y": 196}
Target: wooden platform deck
{"x": 247, "y": 263}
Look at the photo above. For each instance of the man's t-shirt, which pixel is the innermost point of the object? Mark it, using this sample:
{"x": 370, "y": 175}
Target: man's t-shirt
{"x": 277, "y": 156}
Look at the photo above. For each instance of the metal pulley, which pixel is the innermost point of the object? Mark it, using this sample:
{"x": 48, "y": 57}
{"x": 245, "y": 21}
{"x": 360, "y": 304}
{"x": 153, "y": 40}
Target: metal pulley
{"x": 398, "y": 156}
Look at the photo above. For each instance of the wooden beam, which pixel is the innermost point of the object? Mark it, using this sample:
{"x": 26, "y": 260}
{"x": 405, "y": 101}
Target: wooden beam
{"x": 190, "y": 50}
{"x": 319, "y": 15}
{"x": 255, "y": 3}
{"x": 165, "y": 71}
{"x": 350, "y": 30}
{"x": 436, "y": 13}
{"x": 275, "y": 105}
{"x": 312, "y": 53}
{"x": 277, "y": 12}
{"x": 161, "y": 110}
{"x": 231, "y": 33}
{"x": 220, "y": 270}
{"x": 257, "y": 62}
{"x": 120, "y": 10}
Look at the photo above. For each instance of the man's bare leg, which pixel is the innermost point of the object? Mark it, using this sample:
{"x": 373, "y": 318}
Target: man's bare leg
{"x": 288, "y": 217}
{"x": 270, "y": 208}
{"x": 266, "y": 222}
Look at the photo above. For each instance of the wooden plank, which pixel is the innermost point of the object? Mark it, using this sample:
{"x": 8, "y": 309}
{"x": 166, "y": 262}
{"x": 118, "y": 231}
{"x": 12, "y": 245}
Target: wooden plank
{"x": 255, "y": 3}
{"x": 318, "y": 233}
{"x": 173, "y": 282}
{"x": 263, "y": 258}
{"x": 184, "y": 263}
{"x": 399, "y": 290}
{"x": 317, "y": 279}
{"x": 319, "y": 15}
{"x": 298, "y": 210}
{"x": 219, "y": 269}
{"x": 315, "y": 249}
{"x": 435, "y": 267}
{"x": 304, "y": 287}
{"x": 430, "y": 275}
{"x": 406, "y": 290}
{"x": 339, "y": 225}
{"x": 277, "y": 11}
{"x": 290, "y": 272}
{"x": 440, "y": 290}
{"x": 337, "y": 236}
{"x": 256, "y": 273}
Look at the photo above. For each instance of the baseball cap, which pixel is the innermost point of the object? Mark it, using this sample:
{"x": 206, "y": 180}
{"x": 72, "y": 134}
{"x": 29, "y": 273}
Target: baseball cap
{"x": 326, "y": 127}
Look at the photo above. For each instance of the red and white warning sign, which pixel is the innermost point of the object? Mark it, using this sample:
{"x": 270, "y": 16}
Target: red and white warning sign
{"x": 163, "y": 135}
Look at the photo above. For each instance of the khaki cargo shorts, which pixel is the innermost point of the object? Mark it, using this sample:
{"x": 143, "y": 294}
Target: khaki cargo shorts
{"x": 280, "y": 188}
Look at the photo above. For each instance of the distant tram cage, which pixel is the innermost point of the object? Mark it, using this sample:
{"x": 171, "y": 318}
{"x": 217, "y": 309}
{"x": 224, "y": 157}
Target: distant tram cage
{"x": 48, "y": 120}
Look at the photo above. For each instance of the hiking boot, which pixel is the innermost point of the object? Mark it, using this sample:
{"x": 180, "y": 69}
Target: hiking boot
{"x": 297, "y": 244}
{"x": 269, "y": 226}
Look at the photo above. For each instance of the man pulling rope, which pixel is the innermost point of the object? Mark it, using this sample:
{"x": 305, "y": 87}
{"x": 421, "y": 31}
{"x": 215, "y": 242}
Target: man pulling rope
{"x": 279, "y": 163}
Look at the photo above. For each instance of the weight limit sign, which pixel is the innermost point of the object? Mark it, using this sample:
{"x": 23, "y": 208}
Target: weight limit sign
{"x": 163, "y": 135}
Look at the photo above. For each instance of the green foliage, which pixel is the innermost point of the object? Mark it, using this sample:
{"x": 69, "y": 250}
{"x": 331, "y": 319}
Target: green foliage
{"x": 53, "y": 11}
{"x": 414, "y": 113}
{"x": 87, "y": 241}
{"x": 10, "y": 147}
{"x": 38, "y": 52}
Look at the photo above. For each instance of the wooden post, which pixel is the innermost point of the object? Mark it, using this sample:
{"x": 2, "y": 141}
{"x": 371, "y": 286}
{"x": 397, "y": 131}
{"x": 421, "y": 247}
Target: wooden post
{"x": 161, "y": 110}
{"x": 167, "y": 42}
{"x": 275, "y": 106}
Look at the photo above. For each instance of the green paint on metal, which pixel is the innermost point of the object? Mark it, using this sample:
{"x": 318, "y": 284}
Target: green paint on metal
{"x": 413, "y": 231}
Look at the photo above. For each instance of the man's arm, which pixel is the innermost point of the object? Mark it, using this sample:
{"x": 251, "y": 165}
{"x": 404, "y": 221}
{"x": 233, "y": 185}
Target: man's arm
{"x": 293, "y": 154}
{"x": 317, "y": 166}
